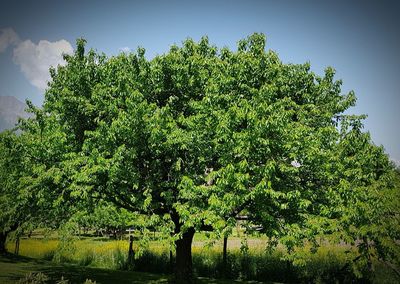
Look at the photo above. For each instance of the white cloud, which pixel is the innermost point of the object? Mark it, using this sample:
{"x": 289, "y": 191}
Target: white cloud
{"x": 36, "y": 59}
{"x": 396, "y": 162}
{"x": 125, "y": 49}
{"x": 8, "y": 37}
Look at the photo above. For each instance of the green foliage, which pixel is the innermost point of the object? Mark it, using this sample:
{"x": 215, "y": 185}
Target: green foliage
{"x": 196, "y": 135}
{"x": 368, "y": 189}
{"x": 10, "y": 168}
{"x": 104, "y": 217}
{"x": 32, "y": 189}
{"x": 255, "y": 265}
{"x": 153, "y": 261}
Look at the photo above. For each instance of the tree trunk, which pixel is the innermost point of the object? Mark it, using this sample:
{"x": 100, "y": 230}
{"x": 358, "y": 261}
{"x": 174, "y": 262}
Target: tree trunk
{"x": 368, "y": 255}
{"x": 131, "y": 253}
{"x": 16, "y": 251}
{"x": 224, "y": 256}
{"x": 3, "y": 238}
{"x": 171, "y": 261}
{"x": 183, "y": 264}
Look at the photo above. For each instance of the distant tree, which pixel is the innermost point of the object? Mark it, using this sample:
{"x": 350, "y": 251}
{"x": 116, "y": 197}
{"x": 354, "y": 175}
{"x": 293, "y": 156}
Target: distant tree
{"x": 195, "y": 137}
{"x": 369, "y": 198}
{"x": 32, "y": 184}
{"x": 11, "y": 164}
{"x": 105, "y": 218}
{"x": 362, "y": 203}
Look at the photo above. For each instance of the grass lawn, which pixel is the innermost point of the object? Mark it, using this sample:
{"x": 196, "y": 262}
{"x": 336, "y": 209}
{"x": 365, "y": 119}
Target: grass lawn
{"x": 13, "y": 268}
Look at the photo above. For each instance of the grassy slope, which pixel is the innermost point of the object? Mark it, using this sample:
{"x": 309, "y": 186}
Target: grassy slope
{"x": 13, "y": 268}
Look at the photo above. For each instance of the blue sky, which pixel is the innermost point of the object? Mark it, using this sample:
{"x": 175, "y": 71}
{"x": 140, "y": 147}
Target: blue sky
{"x": 360, "y": 39}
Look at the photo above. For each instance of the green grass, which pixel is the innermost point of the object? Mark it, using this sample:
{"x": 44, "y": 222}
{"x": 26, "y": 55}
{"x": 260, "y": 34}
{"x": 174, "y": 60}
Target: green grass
{"x": 13, "y": 268}
{"x": 327, "y": 265}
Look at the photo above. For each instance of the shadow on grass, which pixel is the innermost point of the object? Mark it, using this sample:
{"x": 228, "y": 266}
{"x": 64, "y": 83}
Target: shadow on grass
{"x": 13, "y": 268}
{"x": 12, "y": 258}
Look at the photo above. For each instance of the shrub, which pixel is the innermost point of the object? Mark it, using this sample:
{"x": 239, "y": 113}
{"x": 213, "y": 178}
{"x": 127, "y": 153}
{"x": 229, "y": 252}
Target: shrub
{"x": 154, "y": 262}
{"x": 34, "y": 278}
{"x": 62, "y": 281}
{"x": 86, "y": 258}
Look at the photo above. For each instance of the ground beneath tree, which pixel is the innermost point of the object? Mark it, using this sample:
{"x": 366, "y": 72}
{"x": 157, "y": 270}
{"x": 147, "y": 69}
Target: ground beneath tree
{"x": 13, "y": 268}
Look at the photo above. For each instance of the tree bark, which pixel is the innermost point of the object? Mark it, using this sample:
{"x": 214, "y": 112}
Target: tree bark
{"x": 16, "y": 251}
{"x": 171, "y": 261}
{"x": 224, "y": 256}
{"x": 183, "y": 264}
{"x": 369, "y": 261}
{"x": 131, "y": 253}
{"x": 3, "y": 238}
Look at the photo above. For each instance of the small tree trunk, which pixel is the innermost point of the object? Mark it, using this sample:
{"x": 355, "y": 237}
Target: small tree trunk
{"x": 369, "y": 261}
{"x": 171, "y": 261}
{"x": 289, "y": 277}
{"x": 224, "y": 256}
{"x": 131, "y": 254}
{"x": 3, "y": 239}
{"x": 16, "y": 251}
{"x": 183, "y": 265}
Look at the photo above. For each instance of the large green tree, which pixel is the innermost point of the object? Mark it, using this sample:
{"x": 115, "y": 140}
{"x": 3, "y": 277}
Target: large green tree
{"x": 194, "y": 137}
